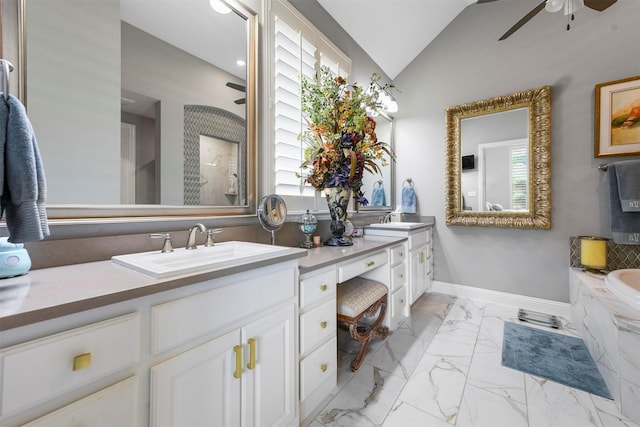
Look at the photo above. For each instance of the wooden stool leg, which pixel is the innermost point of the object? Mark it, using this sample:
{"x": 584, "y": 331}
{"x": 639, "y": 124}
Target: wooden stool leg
{"x": 365, "y": 335}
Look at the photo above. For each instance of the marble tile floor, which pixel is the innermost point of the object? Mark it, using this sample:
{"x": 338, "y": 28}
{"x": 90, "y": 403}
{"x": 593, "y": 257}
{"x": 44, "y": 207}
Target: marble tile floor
{"x": 442, "y": 368}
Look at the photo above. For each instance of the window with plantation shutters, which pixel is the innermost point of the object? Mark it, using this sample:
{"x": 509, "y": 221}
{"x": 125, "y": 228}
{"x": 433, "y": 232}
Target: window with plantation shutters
{"x": 299, "y": 50}
{"x": 519, "y": 177}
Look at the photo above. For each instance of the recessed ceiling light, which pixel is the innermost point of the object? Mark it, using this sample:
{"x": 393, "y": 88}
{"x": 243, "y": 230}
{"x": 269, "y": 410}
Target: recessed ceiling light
{"x": 240, "y": 63}
{"x": 219, "y": 6}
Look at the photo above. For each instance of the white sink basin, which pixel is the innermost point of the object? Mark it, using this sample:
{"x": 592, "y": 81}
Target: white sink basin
{"x": 180, "y": 261}
{"x": 625, "y": 284}
{"x": 398, "y": 225}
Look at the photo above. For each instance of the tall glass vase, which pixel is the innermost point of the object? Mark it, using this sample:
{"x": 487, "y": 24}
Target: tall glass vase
{"x": 338, "y": 200}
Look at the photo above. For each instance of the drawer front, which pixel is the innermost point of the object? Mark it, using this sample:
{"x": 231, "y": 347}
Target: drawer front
{"x": 399, "y": 303}
{"x": 398, "y": 254}
{"x": 116, "y": 405}
{"x": 356, "y": 267}
{"x": 207, "y": 311}
{"x": 398, "y": 276}
{"x": 315, "y": 288}
{"x": 317, "y": 324}
{"x": 39, "y": 370}
{"x": 417, "y": 239}
{"x": 317, "y": 367}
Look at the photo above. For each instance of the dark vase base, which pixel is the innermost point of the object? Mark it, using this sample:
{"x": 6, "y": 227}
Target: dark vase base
{"x": 338, "y": 241}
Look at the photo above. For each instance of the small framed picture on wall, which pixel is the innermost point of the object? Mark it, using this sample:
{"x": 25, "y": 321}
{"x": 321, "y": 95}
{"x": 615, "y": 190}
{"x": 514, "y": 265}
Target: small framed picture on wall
{"x": 617, "y": 121}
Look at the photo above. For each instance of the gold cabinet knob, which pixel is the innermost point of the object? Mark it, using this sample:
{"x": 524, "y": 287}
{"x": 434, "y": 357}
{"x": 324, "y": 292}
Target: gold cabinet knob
{"x": 401, "y": 301}
{"x": 370, "y": 264}
{"x": 324, "y": 288}
{"x": 324, "y": 367}
{"x": 323, "y": 325}
{"x": 401, "y": 276}
{"x": 81, "y": 361}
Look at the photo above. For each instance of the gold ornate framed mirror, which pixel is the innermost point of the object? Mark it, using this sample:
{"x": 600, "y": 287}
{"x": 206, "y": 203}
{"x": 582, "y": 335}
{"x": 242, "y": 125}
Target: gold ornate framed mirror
{"x": 498, "y": 161}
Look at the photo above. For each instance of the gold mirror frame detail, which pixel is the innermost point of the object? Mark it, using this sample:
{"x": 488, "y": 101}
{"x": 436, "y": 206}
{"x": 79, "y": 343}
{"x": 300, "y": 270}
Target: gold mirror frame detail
{"x": 538, "y": 101}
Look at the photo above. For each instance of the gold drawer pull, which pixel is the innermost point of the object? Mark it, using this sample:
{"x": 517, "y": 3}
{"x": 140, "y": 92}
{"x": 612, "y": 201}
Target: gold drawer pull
{"x": 323, "y": 325}
{"x": 370, "y": 264}
{"x": 401, "y": 301}
{"x": 323, "y": 288}
{"x": 324, "y": 367}
{"x": 238, "y": 350}
{"x": 401, "y": 276}
{"x": 421, "y": 257}
{"x": 401, "y": 254}
{"x": 252, "y": 353}
{"x": 82, "y": 361}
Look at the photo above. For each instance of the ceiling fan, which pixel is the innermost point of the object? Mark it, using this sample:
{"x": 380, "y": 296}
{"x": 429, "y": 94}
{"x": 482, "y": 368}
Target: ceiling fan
{"x": 569, "y": 6}
{"x": 240, "y": 88}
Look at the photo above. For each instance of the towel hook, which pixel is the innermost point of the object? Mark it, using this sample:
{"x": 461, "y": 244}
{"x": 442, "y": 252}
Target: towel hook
{"x": 603, "y": 167}
{"x": 7, "y": 67}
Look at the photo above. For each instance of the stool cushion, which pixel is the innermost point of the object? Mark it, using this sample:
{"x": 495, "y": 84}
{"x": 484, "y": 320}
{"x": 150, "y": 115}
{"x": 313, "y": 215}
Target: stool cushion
{"x": 358, "y": 294}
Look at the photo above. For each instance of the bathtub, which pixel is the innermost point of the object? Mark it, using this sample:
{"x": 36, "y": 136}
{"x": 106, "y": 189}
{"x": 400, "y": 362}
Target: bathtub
{"x": 610, "y": 327}
{"x": 625, "y": 284}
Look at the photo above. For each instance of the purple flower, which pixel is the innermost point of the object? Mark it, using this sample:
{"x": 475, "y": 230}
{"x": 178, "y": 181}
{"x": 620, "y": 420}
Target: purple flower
{"x": 347, "y": 140}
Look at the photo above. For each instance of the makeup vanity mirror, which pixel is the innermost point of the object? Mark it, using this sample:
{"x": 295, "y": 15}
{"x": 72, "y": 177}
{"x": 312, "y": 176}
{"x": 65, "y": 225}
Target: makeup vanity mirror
{"x": 142, "y": 108}
{"x": 379, "y": 189}
{"x": 498, "y": 161}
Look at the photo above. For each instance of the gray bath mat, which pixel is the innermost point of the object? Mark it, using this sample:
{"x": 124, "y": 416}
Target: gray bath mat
{"x": 553, "y": 356}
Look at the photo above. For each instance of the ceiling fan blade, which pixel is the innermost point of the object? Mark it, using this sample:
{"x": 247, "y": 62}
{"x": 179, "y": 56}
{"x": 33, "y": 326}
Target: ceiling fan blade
{"x": 240, "y": 101}
{"x": 485, "y": 1}
{"x": 598, "y": 5}
{"x": 524, "y": 20}
{"x": 236, "y": 86}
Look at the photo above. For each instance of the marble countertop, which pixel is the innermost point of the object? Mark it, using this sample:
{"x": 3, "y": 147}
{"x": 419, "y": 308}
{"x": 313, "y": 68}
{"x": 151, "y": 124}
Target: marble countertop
{"x": 624, "y": 315}
{"x": 49, "y": 293}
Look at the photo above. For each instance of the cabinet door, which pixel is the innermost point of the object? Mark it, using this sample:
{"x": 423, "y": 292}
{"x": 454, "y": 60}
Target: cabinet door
{"x": 198, "y": 387}
{"x": 269, "y": 378}
{"x": 418, "y": 280}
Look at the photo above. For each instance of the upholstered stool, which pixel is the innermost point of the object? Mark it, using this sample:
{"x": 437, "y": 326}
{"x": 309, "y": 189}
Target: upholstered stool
{"x": 358, "y": 298}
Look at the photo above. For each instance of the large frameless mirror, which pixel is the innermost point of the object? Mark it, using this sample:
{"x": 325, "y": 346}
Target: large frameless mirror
{"x": 142, "y": 108}
{"x": 498, "y": 170}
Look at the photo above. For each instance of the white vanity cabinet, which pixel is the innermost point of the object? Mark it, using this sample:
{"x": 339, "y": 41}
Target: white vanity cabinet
{"x": 241, "y": 378}
{"x": 245, "y": 376}
{"x": 318, "y": 342}
{"x": 217, "y": 352}
{"x": 420, "y": 256}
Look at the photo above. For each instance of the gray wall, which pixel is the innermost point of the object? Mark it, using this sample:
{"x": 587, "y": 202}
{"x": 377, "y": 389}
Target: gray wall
{"x": 466, "y": 63}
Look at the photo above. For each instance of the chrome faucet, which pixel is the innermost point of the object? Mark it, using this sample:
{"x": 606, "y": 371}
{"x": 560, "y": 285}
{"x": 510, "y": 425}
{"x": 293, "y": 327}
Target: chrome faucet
{"x": 386, "y": 219}
{"x": 191, "y": 240}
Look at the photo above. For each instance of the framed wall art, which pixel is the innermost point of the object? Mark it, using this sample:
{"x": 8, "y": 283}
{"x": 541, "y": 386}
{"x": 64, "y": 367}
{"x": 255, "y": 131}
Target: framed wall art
{"x": 617, "y": 119}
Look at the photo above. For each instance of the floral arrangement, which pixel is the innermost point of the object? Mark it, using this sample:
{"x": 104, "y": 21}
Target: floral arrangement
{"x": 341, "y": 140}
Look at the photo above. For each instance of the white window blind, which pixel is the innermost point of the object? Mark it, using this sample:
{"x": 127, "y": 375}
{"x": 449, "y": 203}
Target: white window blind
{"x": 299, "y": 50}
{"x": 294, "y": 57}
{"x": 519, "y": 178}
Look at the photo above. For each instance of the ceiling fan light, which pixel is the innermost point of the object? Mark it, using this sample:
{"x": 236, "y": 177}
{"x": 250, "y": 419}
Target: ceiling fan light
{"x": 554, "y": 5}
{"x": 219, "y": 6}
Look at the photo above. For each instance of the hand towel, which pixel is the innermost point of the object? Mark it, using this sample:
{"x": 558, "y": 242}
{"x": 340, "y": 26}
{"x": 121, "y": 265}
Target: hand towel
{"x": 625, "y": 226}
{"x": 408, "y": 200}
{"x": 378, "y": 197}
{"x": 628, "y": 175}
{"x": 22, "y": 180}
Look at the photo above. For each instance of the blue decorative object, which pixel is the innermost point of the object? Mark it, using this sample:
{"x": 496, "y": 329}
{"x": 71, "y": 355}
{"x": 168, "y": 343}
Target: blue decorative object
{"x": 560, "y": 358}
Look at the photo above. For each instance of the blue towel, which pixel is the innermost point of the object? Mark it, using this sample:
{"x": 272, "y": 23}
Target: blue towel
{"x": 378, "y": 197}
{"x": 22, "y": 181}
{"x": 628, "y": 175}
{"x": 408, "y": 200}
{"x": 625, "y": 226}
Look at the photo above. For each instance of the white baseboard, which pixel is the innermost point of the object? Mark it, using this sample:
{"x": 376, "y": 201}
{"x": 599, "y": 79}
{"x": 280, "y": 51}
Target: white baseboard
{"x": 530, "y": 303}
